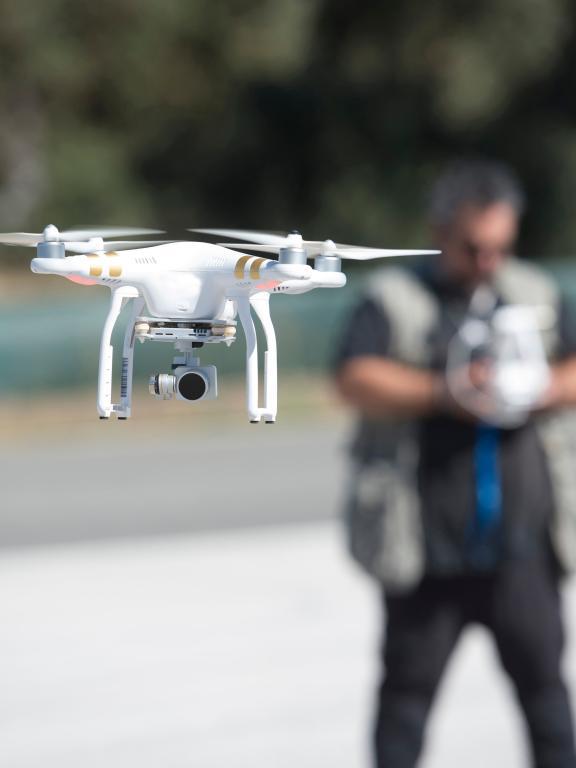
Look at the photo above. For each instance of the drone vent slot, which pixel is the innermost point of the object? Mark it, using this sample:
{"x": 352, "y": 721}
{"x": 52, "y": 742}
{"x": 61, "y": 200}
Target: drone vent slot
{"x": 145, "y": 260}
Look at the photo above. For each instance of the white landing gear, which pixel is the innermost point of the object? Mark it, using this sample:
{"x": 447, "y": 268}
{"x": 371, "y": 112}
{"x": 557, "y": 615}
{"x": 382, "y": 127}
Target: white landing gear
{"x": 260, "y": 303}
{"x": 104, "y": 403}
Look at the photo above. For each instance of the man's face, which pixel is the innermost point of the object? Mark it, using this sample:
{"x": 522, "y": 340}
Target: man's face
{"x": 476, "y": 242}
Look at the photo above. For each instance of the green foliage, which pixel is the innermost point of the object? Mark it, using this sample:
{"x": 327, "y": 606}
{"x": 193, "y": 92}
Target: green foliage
{"x": 327, "y": 115}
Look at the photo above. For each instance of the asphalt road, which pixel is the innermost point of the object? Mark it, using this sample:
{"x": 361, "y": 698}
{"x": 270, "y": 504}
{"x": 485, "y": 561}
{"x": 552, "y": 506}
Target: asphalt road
{"x": 137, "y": 479}
{"x": 252, "y": 649}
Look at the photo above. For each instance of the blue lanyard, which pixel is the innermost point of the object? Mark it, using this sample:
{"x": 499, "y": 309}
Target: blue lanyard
{"x": 488, "y": 487}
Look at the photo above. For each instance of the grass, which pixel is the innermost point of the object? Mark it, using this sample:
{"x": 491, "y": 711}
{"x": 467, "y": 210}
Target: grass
{"x": 301, "y": 398}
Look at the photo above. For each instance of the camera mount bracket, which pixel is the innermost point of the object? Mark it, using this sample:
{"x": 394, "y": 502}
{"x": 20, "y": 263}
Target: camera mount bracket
{"x": 176, "y": 330}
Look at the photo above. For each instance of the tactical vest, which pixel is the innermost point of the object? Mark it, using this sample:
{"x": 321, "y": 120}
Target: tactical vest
{"x": 383, "y": 510}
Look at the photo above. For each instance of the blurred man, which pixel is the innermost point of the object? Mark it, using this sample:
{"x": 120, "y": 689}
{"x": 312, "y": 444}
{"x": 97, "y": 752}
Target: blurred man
{"x": 461, "y": 521}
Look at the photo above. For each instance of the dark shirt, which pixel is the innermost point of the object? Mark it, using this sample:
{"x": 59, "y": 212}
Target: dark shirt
{"x": 446, "y": 471}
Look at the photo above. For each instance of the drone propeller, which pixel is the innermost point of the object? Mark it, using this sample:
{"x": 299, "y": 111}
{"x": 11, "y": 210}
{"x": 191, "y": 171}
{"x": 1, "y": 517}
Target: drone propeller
{"x": 268, "y": 242}
{"x": 112, "y": 245}
{"x": 358, "y": 253}
{"x": 266, "y": 238}
{"x": 272, "y": 243}
{"x": 52, "y": 234}
{"x": 328, "y": 248}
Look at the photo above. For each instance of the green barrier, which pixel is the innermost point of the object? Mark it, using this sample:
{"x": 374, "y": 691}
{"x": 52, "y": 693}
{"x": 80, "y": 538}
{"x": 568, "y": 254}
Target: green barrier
{"x": 50, "y": 344}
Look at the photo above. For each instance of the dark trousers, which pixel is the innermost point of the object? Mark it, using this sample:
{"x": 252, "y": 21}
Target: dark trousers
{"x": 521, "y": 608}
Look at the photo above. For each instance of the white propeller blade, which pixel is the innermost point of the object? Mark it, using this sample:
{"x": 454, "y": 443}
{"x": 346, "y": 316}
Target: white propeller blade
{"x": 51, "y": 234}
{"x": 252, "y": 247}
{"x": 89, "y": 233}
{"x": 272, "y": 243}
{"x": 265, "y": 238}
{"x": 113, "y": 245}
{"x": 20, "y": 238}
{"x": 326, "y": 248}
{"x": 364, "y": 254}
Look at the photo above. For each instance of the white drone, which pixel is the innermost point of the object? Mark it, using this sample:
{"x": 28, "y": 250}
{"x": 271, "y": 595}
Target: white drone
{"x": 189, "y": 294}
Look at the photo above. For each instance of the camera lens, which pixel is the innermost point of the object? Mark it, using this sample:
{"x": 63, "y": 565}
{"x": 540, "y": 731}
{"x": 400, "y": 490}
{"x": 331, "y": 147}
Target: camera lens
{"x": 192, "y": 386}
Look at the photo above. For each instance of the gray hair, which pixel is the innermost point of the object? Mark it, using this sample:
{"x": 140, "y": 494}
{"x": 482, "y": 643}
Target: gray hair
{"x": 473, "y": 182}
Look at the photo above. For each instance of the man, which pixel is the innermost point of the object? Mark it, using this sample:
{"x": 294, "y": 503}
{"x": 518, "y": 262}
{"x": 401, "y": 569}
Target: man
{"x": 461, "y": 521}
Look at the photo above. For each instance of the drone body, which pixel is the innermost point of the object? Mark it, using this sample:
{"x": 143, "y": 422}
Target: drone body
{"x": 188, "y": 279}
{"x": 189, "y": 294}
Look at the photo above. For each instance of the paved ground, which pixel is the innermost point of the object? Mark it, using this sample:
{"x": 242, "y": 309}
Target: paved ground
{"x": 174, "y": 593}
{"x": 170, "y": 469}
{"x": 251, "y": 649}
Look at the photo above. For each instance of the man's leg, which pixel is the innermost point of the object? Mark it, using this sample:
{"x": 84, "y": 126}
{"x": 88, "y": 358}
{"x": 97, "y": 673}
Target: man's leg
{"x": 421, "y": 632}
{"x": 527, "y": 625}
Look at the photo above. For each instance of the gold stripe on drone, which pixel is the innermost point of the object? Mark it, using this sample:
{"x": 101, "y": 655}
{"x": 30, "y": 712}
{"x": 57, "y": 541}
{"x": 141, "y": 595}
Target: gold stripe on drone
{"x": 241, "y": 265}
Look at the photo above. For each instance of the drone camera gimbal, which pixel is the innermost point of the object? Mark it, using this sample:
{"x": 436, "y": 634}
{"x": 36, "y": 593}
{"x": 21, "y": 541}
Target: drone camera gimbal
{"x": 188, "y": 381}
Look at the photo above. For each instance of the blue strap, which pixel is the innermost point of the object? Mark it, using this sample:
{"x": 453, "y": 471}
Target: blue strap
{"x": 488, "y": 513}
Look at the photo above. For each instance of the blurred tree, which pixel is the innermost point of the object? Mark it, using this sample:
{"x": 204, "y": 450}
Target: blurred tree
{"x": 328, "y": 115}
{"x": 416, "y": 85}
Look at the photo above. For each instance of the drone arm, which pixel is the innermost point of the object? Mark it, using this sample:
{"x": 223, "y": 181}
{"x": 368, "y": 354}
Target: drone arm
{"x": 104, "y": 403}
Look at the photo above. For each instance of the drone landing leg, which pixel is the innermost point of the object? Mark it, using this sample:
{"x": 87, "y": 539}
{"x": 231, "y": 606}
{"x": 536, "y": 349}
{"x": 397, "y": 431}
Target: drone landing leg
{"x": 104, "y": 403}
{"x": 261, "y": 304}
{"x": 251, "y": 359}
{"x": 124, "y": 409}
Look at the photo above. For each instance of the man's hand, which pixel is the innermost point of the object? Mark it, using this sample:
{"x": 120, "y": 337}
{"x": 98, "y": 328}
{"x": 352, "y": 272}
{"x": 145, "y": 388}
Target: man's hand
{"x": 382, "y": 388}
{"x": 561, "y": 391}
{"x": 470, "y": 391}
